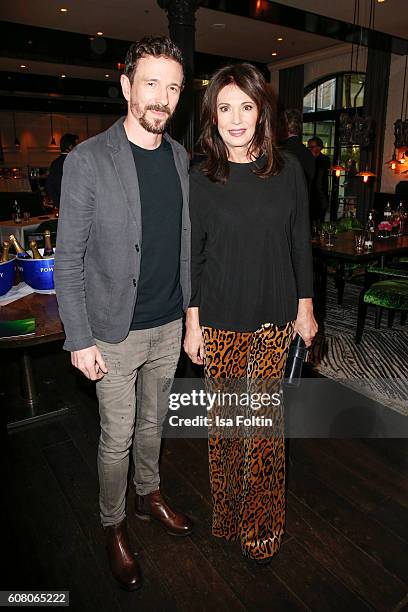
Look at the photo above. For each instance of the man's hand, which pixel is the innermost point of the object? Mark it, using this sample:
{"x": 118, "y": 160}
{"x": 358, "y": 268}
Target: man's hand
{"x": 90, "y": 362}
{"x": 194, "y": 345}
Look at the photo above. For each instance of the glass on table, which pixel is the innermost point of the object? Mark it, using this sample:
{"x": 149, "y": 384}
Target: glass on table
{"x": 26, "y": 216}
{"x": 330, "y": 232}
{"x": 359, "y": 241}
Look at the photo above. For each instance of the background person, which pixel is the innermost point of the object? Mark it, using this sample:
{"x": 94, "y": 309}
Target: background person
{"x": 251, "y": 291}
{"x": 54, "y": 178}
{"x": 122, "y": 278}
{"x": 319, "y": 193}
{"x": 293, "y": 121}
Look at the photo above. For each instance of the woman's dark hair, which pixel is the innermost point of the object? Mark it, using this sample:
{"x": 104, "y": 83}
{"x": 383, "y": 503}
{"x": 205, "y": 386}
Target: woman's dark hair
{"x": 157, "y": 46}
{"x": 249, "y": 80}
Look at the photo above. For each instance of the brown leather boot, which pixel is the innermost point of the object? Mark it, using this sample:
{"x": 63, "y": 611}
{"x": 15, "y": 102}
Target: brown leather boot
{"x": 123, "y": 565}
{"x": 154, "y": 506}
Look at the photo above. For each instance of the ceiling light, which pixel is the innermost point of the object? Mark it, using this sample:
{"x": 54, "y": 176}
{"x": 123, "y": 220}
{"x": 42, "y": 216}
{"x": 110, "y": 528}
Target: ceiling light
{"x": 63, "y": 10}
{"x": 107, "y": 76}
{"x": 274, "y": 53}
{"x": 63, "y": 76}
{"x": 380, "y": 1}
{"x": 99, "y": 33}
{"x": 23, "y": 66}
{"x": 280, "y": 38}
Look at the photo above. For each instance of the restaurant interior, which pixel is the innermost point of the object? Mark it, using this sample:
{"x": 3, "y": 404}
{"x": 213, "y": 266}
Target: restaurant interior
{"x": 344, "y": 67}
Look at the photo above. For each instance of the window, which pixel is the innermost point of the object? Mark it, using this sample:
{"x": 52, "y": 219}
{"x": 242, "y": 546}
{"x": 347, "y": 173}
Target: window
{"x": 323, "y": 103}
{"x": 353, "y": 90}
{"x": 326, "y": 95}
{"x": 309, "y": 102}
{"x": 344, "y": 90}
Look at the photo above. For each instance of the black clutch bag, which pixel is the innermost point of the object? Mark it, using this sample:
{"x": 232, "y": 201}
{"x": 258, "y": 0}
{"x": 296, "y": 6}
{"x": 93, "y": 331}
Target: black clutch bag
{"x": 294, "y": 363}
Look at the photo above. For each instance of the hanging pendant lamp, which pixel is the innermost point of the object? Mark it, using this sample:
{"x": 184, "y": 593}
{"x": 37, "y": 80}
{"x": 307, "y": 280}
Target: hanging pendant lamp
{"x": 17, "y": 143}
{"x": 366, "y": 174}
{"x": 53, "y": 143}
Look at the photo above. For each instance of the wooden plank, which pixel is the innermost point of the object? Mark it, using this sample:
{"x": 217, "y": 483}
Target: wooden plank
{"x": 393, "y": 451}
{"x": 358, "y": 571}
{"x": 369, "y": 535}
{"x": 349, "y": 484}
{"x": 393, "y": 516}
{"x": 54, "y": 544}
{"x": 177, "y": 562}
{"x": 256, "y": 587}
{"x": 293, "y": 582}
{"x": 362, "y": 461}
{"x": 313, "y": 584}
{"x": 188, "y": 575}
{"x": 80, "y": 487}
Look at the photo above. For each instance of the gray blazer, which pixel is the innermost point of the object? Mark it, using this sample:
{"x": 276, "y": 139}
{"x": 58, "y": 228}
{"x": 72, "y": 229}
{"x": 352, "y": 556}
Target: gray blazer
{"x": 99, "y": 240}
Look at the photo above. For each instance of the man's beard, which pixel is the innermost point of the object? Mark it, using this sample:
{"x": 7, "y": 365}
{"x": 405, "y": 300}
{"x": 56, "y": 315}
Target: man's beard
{"x": 157, "y": 126}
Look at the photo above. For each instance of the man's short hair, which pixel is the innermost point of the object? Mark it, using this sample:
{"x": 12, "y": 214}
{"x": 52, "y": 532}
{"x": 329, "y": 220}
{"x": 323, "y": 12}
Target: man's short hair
{"x": 317, "y": 140}
{"x": 68, "y": 141}
{"x": 157, "y": 46}
{"x": 294, "y": 121}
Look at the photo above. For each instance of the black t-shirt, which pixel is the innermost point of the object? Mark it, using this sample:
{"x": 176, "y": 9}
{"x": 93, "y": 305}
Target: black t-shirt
{"x": 251, "y": 249}
{"x": 159, "y": 295}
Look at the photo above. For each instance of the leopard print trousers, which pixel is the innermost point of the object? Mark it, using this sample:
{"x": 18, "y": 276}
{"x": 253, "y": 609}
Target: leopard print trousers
{"x": 247, "y": 473}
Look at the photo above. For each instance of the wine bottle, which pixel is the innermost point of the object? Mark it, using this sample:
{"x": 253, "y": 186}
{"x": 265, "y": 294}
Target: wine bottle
{"x": 48, "y": 250}
{"x": 369, "y": 232}
{"x": 5, "y": 253}
{"x": 401, "y": 218}
{"x": 20, "y": 252}
{"x": 34, "y": 250}
{"x": 16, "y": 212}
{"x": 387, "y": 212}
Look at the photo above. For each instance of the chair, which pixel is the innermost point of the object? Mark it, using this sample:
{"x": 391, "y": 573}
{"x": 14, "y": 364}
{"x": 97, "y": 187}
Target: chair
{"x": 344, "y": 271}
{"x": 391, "y": 293}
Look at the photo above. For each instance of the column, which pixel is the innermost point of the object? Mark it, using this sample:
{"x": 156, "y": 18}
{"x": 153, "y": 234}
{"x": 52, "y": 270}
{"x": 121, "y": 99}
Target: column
{"x": 181, "y": 16}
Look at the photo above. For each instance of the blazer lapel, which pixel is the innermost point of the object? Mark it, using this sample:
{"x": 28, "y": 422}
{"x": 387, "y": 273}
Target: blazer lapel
{"x": 183, "y": 175}
{"x": 126, "y": 170}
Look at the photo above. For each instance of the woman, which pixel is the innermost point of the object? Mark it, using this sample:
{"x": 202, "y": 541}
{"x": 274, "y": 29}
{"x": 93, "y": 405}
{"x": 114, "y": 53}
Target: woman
{"x": 251, "y": 292}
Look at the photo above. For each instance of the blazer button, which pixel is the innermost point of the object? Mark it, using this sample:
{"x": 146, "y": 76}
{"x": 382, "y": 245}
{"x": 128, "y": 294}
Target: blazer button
{"x": 134, "y": 282}
{"x": 137, "y": 247}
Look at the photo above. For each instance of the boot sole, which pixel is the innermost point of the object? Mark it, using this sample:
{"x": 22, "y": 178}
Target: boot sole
{"x": 147, "y": 518}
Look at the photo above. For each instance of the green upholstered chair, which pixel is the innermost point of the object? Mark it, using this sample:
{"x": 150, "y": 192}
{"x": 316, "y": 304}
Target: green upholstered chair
{"x": 390, "y": 293}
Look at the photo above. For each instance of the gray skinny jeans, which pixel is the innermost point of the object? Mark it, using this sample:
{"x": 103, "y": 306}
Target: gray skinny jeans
{"x": 135, "y": 366}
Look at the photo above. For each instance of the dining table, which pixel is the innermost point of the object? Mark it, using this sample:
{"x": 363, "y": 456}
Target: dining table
{"x": 343, "y": 251}
{"x": 28, "y": 405}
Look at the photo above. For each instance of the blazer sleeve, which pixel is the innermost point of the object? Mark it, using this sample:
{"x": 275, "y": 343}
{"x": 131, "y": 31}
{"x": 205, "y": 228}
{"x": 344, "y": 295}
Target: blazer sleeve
{"x": 74, "y": 225}
{"x": 301, "y": 240}
{"x": 198, "y": 237}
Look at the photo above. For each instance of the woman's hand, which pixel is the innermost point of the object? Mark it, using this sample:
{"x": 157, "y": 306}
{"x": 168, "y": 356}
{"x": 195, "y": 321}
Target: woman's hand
{"x": 193, "y": 340}
{"x": 305, "y": 324}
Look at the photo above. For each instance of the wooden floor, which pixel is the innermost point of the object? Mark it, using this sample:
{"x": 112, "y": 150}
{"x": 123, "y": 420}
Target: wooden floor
{"x": 345, "y": 546}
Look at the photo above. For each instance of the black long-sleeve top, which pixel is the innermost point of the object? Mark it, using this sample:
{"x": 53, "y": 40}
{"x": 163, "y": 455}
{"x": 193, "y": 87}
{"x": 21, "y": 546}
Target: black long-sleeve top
{"x": 251, "y": 250}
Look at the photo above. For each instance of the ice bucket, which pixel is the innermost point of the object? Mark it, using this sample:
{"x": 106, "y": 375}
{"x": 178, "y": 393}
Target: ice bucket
{"x": 7, "y": 273}
{"x": 38, "y": 273}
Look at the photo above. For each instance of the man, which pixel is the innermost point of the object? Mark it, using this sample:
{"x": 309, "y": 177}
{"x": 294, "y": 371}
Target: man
{"x": 293, "y": 125}
{"x": 54, "y": 178}
{"x": 319, "y": 192}
{"x": 122, "y": 277}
